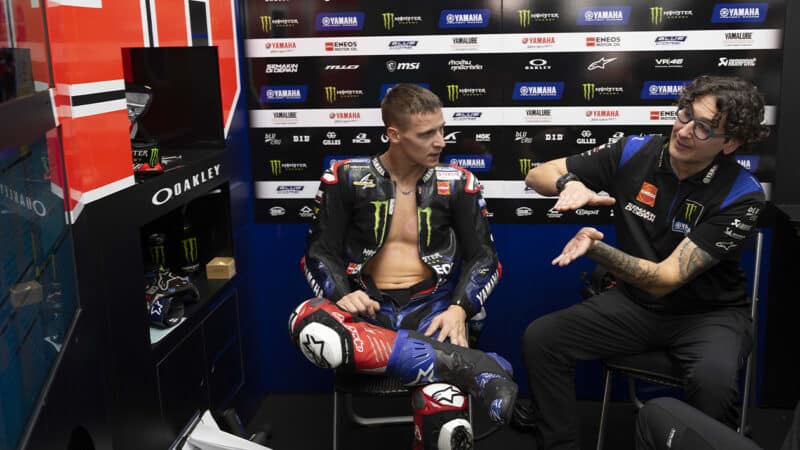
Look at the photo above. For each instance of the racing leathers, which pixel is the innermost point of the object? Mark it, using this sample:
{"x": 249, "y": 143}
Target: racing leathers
{"x": 355, "y": 205}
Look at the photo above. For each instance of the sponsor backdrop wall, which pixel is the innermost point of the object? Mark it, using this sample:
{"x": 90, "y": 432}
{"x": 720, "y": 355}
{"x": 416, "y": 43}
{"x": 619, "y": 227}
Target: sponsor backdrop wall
{"x": 522, "y": 82}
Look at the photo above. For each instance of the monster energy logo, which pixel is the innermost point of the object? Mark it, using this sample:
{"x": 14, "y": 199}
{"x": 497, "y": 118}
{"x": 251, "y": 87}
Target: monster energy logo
{"x": 388, "y": 20}
{"x": 524, "y": 17}
{"x": 381, "y": 209}
{"x": 153, "y": 159}
{"x": 691, "y": 208}
{"x": 525, "y": 165}
{"x": 427, "y": 213}
{"x": 275, "y": 165}
{"x": 452, "y": 92}
{"x": 330, "y": 94}
{"x": 588, "y": 91}
{"x": 189, "y": 250}
{"x": 266, "y": 24}
{"x": 158, "y": 255}
{"x": 656, "y": 15}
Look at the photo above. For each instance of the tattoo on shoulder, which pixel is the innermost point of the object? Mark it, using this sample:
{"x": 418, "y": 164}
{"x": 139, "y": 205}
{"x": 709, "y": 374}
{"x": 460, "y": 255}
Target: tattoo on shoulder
{"x": 692, "y": 260}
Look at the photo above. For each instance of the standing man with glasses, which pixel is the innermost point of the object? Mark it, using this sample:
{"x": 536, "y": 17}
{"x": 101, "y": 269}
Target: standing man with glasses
{"x": 683, "y": 209}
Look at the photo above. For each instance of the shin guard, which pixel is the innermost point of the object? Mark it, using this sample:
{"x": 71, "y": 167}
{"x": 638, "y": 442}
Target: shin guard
{"x": 417, "y": 360}
{"x": 441, "y": 418}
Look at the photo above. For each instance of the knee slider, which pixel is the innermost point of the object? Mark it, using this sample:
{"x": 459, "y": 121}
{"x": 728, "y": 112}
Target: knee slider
{"x": 441, "y": 420}
{"x": 323, "y": 340}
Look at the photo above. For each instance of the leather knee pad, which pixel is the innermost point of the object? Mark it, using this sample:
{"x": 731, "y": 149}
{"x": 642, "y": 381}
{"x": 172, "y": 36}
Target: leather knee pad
{"x": 441, "y": 418}
{"x": 321, "y": 338}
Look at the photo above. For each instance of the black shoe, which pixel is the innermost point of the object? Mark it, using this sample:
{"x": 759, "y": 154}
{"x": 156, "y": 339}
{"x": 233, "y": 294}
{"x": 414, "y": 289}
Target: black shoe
{"x": 523, "y": 417}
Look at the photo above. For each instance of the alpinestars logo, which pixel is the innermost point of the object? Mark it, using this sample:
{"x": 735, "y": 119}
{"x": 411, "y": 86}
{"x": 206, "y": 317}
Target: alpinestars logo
{"x": 600, "y": 63}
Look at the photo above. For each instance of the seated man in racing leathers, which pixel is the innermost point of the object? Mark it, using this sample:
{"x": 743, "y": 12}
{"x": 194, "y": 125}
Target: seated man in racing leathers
{"x": 400, "y": 256}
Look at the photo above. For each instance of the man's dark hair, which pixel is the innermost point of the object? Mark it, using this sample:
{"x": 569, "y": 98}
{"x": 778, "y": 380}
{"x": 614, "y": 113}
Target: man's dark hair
{"x": 404, "y": 100}
{"x": 737, "y": 100}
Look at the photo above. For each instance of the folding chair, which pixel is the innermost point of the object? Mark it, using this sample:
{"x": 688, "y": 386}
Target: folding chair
{"x": 657, "y": 367}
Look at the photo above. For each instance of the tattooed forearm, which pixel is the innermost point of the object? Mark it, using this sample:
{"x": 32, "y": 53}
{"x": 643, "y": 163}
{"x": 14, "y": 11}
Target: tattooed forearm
{"x": 692, "y": 260}
{"x": 639, "y": 272}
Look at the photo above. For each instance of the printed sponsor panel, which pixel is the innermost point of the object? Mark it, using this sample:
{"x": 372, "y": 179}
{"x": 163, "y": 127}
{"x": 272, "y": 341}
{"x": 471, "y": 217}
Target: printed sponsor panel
{"x": 541, "y": 211}
{"x": 305, "y": 19}
{"x": 284, "y": 210}
{"x": 521, "y": 83}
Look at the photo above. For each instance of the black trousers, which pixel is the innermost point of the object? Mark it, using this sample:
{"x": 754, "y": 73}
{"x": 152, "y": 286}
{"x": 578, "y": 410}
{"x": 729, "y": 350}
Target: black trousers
{"x": 667, "y": 423}
{"x": 710, "y": 348}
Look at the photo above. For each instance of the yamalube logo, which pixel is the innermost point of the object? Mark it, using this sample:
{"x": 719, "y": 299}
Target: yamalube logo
{"x": 166, "y": 194}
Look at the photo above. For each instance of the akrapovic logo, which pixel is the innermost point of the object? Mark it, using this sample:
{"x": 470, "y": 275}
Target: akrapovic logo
{"x": 282, "y": 68}
{"x": 464, "y": 18}
{"x": 736, "y": 62}
{"x": 284, "y": 94}
{"x": 475, "y": 163}
{"x": 662, "y": 90}
{"x": 538, "y": 90}
{"x": 349, "y": 21}
{"x": 166, "y": 193}
{"x": 739, "y": 13}
{"x": 604, "y": 15}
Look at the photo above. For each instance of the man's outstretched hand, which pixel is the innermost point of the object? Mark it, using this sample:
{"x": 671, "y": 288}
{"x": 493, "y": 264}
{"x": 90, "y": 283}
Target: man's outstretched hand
{"x": 578, "y": 246}
{"x": 576, "y": 195}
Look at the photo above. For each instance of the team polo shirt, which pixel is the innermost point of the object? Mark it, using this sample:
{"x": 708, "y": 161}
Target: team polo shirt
{"x": 716, "y": 208}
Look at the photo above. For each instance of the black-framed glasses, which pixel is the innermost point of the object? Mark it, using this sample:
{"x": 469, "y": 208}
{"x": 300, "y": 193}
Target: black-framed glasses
{"x": 701, "y": 130}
